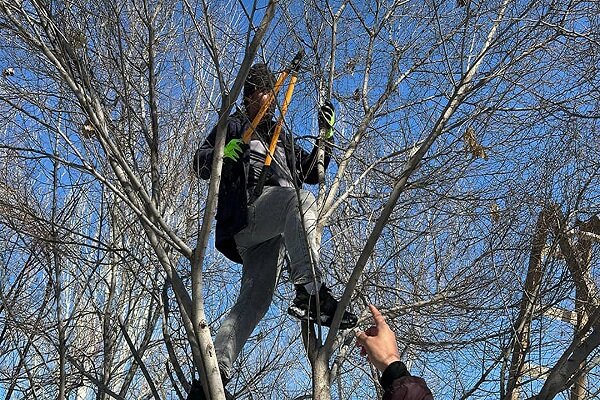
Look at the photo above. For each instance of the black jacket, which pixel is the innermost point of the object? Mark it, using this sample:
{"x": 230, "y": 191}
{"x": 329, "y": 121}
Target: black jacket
{"x": 399, "y": 385}
{"x": 232, "y": 208}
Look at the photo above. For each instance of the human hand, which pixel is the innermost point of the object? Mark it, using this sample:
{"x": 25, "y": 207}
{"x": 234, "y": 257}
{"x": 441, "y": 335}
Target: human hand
{"x": 378, "y": 342}
{"x": 327, "y": 119}
{"x": 233, "y": 149}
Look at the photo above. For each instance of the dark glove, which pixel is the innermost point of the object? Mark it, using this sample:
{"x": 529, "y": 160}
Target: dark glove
{"x": 327, "y": 119}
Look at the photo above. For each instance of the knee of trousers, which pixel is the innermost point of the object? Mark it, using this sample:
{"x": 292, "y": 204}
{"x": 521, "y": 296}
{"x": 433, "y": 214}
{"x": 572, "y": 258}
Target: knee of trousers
{"x": 260, "y": 299}
{"x": 256, "y": 296}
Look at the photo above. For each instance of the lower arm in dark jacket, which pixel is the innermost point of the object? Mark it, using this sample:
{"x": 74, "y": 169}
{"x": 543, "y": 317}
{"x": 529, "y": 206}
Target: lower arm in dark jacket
{"x": 307, "y": 163}
{"x": 399, "y": 385}
{"x": 203, "y": 158}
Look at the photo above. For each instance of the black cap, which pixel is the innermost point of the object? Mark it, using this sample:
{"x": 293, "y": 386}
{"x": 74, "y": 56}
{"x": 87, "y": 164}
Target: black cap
{"x": 259, "y": 78}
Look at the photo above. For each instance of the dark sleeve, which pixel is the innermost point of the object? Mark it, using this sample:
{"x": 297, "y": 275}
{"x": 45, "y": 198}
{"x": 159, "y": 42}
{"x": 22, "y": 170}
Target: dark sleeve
{"x": 399, "y": 385}
{"x": 306, "y": 164}
{"x": 203, "y": 158}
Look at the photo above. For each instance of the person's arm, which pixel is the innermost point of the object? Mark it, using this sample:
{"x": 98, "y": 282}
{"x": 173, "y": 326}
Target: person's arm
{"x": 203, "y": 158}
{"x": 397, "y": 384}
{"x": 307, "y": 163}
{"x": 232, "y": 153}
{"x": 378, "y": 343}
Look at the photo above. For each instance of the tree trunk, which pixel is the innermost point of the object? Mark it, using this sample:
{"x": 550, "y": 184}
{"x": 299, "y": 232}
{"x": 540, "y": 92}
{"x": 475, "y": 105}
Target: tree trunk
{"x": 570, "y": 362}
{"x": 321, "y": 377}
{"x": 579, "y": 386}
{"x": 570, "y": 368}
{"x": 530, "y": 297}
{"x": 578, "y": 391}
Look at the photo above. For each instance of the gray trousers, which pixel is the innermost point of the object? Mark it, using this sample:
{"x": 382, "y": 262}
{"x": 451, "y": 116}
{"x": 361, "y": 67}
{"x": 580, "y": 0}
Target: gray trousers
{"x": 274, "y": 225}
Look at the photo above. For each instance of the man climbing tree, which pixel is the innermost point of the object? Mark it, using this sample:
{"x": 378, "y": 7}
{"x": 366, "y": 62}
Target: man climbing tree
{"x": 256, "y": 228}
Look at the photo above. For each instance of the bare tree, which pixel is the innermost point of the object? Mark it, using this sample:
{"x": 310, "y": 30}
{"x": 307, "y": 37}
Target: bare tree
{"x": 417, "y": 102}
{"x": 456, "y": 127}
{"x": 105, "y": 62}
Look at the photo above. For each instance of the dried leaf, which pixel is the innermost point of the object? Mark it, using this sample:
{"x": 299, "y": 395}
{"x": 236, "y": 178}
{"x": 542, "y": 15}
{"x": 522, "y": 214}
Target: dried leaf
{"x": 351, "y": 64}
{"x": 558, "y": 254}
{"x": 474, "y": 147}
{"x": 495, "y": 212}
{"x": 87, "y": 130}
{"x": 78, "y": 39}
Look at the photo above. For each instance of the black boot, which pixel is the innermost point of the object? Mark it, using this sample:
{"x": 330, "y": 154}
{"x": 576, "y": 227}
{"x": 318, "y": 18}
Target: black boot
{"x": 304, "y": 307}
{"x": 197, "y": 392}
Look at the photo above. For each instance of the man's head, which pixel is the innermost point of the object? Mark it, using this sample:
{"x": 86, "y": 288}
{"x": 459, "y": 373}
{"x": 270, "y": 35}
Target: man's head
{"x": 259, "y": 83}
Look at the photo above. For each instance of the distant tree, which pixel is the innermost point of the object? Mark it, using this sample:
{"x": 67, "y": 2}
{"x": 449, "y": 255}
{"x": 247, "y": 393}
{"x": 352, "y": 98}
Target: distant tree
{"x": 458, "y": 126}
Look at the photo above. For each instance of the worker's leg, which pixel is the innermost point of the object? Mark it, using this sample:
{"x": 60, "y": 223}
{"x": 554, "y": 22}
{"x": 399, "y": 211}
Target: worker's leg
{"x": 298, "y": 213}
{"x": 301, "y": 241}
{"x": 259, "y": 278}
{"x": 280, "y": 211}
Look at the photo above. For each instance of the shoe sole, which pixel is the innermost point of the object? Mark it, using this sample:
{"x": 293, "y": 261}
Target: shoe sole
{"x": 198, "y": 394}
{"x": 302, "y": 315}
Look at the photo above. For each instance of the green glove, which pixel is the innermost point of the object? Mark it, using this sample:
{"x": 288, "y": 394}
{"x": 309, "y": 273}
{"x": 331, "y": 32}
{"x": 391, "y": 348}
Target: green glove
{"x": 327, "y": 119}
{"x": 233, "y": 149}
